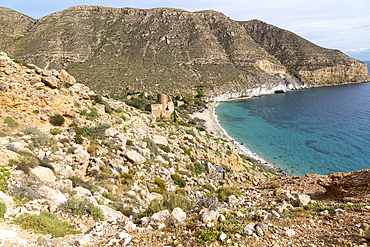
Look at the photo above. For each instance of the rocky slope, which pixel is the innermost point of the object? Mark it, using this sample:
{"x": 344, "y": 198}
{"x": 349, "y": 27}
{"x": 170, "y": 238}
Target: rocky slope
{"x": 172, "y": 51}
{"x": 123, "y": 178}
{"x": 310, "y": 63}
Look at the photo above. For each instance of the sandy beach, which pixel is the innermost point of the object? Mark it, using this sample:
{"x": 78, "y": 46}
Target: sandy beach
{"x": 216, "y": 130}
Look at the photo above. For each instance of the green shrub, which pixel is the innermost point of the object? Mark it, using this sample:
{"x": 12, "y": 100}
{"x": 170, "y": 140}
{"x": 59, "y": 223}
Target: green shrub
{"x": 91, "y": 115}
{"x": 170, "y": 201}
{"x": 197, "y": 168}
{"x": 57, "y": 120}
{"x": 224, "y": 192}
{"x": 190, "y": 132}
{"x": 10, "y": 121}
{"x": 109, "y": 196}
{"x": 274, "y": 184}
{"x": 78, "y": 139}
{"x": 161, "y": 185}
{"x": 201, "y": 129}
{"x": 55, "y": 131}
{"x": 129, "y": 142}
{"x": 97, "y": 99}
{"x": 77, "y": 207}
{"x": 94, "y": 133}
{"x": 164, "y": 148}
{"x": 28, "y": 161}
{"x": 2, "y": 209}
{"x": 38, "y": 137}
{"x": 45, "y": 223}
{"x": 209, "y": 187}
{"x": 5, "y": 175}
{"x": 178, "y": 180}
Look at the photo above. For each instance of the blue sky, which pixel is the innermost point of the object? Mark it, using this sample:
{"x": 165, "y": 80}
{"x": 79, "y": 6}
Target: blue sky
{"x": 335, "y": 24}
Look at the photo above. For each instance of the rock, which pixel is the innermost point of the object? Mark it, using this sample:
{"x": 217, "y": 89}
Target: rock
{"x": 364, "y": 226}
{"x": 232, "y": 200}
{"x": 263, "y": 227}
{"x": 259, "y": 231}
{"x": 82, "y": 193}
{"x": 303, "y": 200}
{"x": 210, "y": 216}
{"x": 9, "y": 202}
{"x": 367, "y": 234}
{"x": 50, "y": 81}
{"x": 81, "y": 156}
{"x": 160, "y": 140}
{"x": 289, "y": 233}
{"x": 3, "y": 61}
{"x": 177, "y": 216}
{"x": 223, "y": 236}
{"x": 135, "y": 157}
{"x": 42, "y": 174}
{"x": 210, "y": 168}
{"x": 10, "y": 238}
{"x": 64, "y": 185}
{"x": 65, "y": 78}
{"x": 160, "y": 216}
{"x": 55, "y": 196}
{"x": 154, "y": 196}
{"x": 85, "y": 240}
{"x": 4, "y": 87}
{"x": 131, "y": 193}
{"x": 111, "y": 132}
{"x": 15, "y": 146}
{"x": 109, "y": 212}
{"x": 130, "y": 226}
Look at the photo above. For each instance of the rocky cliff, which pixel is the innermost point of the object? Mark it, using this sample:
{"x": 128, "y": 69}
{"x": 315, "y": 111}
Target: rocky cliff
{"x": 306, "y": 61}
{"x": 173, "y": 51}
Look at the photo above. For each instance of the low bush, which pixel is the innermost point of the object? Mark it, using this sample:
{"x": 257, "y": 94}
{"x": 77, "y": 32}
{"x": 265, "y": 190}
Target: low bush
{"x": 38, "y": 137}
{"x": 209, "y": 187}
{"x": 45, "y": 223}
{"x": 197, "y": 168}
{"x": 57, "y": 120}
{"x": 109, "y": 196}
{"x": 10, "y": 121}
{"x": 165, "y": 148}
{"x": 190, "y": 132}
{"x": 160, "y": 184}
{"x": 78, "y": 182}
{"x": 2, "y": 209}
{"x": 55, "y": 131}
{"x": 78, "y": 207}
{"x": 78, "y": 139}
{"x": 178, "y": 180}
{"x": 91, "y": 115}
{"x": 151, "y": 145}
{"x": 224, "y": 192}
{"x": 274, "y": 184}
{"x": 170, "y": 201}
{"x": 94, "y": 133}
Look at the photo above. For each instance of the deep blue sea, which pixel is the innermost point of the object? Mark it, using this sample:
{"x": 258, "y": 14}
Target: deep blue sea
{"x": 320, "y": 130}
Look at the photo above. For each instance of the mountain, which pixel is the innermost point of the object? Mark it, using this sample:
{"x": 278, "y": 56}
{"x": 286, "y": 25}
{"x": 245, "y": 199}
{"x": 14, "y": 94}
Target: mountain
{"x": 173, "y": 51}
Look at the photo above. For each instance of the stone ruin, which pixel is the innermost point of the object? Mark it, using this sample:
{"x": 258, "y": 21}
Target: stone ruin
{"x": 164, "y": 108}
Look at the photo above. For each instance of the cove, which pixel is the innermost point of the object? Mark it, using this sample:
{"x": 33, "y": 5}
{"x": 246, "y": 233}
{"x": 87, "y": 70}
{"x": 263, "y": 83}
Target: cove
{"x": 320, "y": 130}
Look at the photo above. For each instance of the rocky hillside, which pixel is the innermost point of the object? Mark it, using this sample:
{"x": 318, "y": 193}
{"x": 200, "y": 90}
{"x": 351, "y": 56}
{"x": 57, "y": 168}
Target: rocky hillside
{"x": 171, "y": 51}
{"x": 308, "y": 62}
{"x": 78, "y": 169}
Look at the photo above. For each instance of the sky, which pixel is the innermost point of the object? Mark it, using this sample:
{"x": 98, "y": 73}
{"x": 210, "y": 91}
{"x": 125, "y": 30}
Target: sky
{"x": 334, "y": 24}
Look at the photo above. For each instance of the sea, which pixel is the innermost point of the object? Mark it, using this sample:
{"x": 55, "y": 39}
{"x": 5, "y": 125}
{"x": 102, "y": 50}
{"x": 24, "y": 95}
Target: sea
{"x": 317, "y": 130}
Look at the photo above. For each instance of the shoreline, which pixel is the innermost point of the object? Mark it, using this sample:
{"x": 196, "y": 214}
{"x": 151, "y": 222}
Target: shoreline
{"x": 214, "y": 128}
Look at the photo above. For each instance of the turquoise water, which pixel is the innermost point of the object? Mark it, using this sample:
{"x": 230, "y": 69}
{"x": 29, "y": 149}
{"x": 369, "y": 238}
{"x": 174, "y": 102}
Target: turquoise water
{"x": 320, "y": 130}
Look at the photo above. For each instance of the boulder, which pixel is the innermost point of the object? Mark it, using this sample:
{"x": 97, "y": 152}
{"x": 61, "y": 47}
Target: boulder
{"x": 177, "y": 216}
{"x": 160, "y": 217}
{"x": 210, "y": 168}
{"x": 111, "y": 132}
{"x": 154, "y": 196}
{"x": 109, "y": 212}
{"x": 4, "y": 87}
{"x": 3, "y": 61}
{"x": 81, "y": 156}
{"x": 15, "y": 146}
{"x": 64, "y": 185}
{"x": 135, "y": 157}
{"x": 367, "y": 234}
{"x": 289, "y": 233}
{"x": 10, "y": 238}
{"x": 160, "y": 140}
{"x": 130, "y": 226}
{"x": 232, "y": 200}
{"x": 66, "y": 78}
{"x": 55, "y": 196}
{"x": 303, "y": 200}
{"x": 42, "y": 174}
{"x": 50, "y": 81}
{"x": 210, "y": 216}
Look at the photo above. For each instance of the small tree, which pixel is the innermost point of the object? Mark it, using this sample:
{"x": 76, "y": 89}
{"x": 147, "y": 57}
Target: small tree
{"x": 57, "y": 120}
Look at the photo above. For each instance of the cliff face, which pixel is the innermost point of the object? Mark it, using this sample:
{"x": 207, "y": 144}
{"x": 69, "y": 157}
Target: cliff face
{"x": 308, "y": 62}
{"x": 169, "y": 51}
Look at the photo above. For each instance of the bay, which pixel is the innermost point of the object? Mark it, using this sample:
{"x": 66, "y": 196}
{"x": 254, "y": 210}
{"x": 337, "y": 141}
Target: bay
{"x": 320, "y": 130}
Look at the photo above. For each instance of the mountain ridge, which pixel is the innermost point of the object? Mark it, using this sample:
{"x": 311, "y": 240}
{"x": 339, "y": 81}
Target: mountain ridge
{"x": 168, "y": 50}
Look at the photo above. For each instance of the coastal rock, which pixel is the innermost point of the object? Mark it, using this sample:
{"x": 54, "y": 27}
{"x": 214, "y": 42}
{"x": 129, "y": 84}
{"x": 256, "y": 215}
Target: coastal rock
{"x": 65, "y": 78}
{"x": 50, "y": 81}
{"x": 42, "y": 174}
